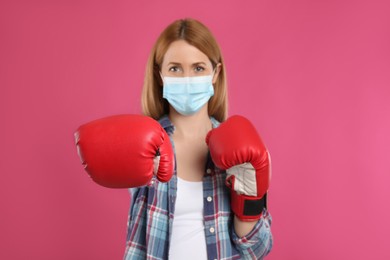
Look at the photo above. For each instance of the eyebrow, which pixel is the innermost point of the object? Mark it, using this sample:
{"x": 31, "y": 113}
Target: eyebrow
{"x": 195, "y": 63}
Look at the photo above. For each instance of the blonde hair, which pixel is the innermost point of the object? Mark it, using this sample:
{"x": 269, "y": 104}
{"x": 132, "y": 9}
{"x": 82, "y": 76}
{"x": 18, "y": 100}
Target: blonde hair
{"x": 199, "y": 36}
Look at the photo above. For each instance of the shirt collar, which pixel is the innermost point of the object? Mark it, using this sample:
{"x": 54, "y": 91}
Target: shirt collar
{"x": 170, "y": 128}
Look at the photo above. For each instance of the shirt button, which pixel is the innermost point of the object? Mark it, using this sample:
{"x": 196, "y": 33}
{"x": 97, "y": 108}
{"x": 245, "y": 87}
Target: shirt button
{"x": 209, "y": 199}
{"x": 212, "y": 230}
{"x": 208, "y": 171}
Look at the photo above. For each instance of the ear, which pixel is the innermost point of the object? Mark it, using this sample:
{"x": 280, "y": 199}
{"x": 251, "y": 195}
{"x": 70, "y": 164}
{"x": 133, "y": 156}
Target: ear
{"x": 216, "y": 73}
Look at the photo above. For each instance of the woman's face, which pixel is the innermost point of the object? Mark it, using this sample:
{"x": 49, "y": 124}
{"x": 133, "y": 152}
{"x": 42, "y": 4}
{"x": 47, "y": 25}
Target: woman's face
{"x": 185, "y": 60}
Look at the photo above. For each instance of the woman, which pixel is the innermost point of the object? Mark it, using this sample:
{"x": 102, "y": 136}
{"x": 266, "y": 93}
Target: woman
{"x": 190, "y": 217}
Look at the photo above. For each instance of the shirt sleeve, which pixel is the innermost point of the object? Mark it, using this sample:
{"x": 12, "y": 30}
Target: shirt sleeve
{"x": 133, "y": 194}
{"x": 257, "y": 243}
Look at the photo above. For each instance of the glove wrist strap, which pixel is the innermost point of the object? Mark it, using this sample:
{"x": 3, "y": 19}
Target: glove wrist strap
{"x": 248, "y": 208}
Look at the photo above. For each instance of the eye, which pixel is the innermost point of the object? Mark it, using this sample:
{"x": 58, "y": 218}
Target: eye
{"x": 174, "y": 69}
{"x": 199, "y": 69}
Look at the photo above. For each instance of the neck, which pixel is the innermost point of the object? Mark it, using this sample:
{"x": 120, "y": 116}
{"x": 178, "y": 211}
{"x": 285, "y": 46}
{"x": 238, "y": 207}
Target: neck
{"x": 195, "y": 125}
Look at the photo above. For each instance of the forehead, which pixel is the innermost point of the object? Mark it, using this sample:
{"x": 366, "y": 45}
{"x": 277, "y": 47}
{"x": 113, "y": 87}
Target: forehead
{"x": 182, "y": 52}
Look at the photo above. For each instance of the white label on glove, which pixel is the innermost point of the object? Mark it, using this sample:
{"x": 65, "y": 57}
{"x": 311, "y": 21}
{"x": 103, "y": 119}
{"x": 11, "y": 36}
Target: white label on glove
{"x": 156, "y": 164}
{"x": 244, "y": 179}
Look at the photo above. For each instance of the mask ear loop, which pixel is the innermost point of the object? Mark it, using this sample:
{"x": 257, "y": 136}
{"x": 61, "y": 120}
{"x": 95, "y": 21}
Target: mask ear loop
{"x": 161, "y": 77}
{"x": 217, "y": 66}
{"x": 213, "y": 74}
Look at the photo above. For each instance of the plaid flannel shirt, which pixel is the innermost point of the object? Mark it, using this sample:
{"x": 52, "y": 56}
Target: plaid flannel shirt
{"x": 152, "y": 210}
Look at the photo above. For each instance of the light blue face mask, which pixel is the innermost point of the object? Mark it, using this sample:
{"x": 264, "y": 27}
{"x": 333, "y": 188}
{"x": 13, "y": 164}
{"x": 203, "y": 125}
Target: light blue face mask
{"x": 187, "y": 95}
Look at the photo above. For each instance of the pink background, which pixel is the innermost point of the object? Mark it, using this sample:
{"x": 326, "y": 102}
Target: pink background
{"x": 313, "y": 76}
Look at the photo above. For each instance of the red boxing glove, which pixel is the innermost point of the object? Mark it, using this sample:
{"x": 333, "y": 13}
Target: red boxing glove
{"x": 236, "y": 147}
{"x": 124, "y": 151}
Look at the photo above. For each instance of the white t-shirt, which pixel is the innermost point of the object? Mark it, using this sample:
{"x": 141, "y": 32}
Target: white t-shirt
{"x": 188, "y": 239}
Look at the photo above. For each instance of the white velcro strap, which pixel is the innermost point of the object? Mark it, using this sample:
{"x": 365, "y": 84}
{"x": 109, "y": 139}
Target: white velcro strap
{"x": 244, "y": 179}
{"x": 156, "y": 164}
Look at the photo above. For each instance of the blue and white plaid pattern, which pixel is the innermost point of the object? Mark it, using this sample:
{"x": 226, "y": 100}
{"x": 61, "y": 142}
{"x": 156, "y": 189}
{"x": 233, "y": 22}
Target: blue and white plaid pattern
{"x": 151, "y": 216}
